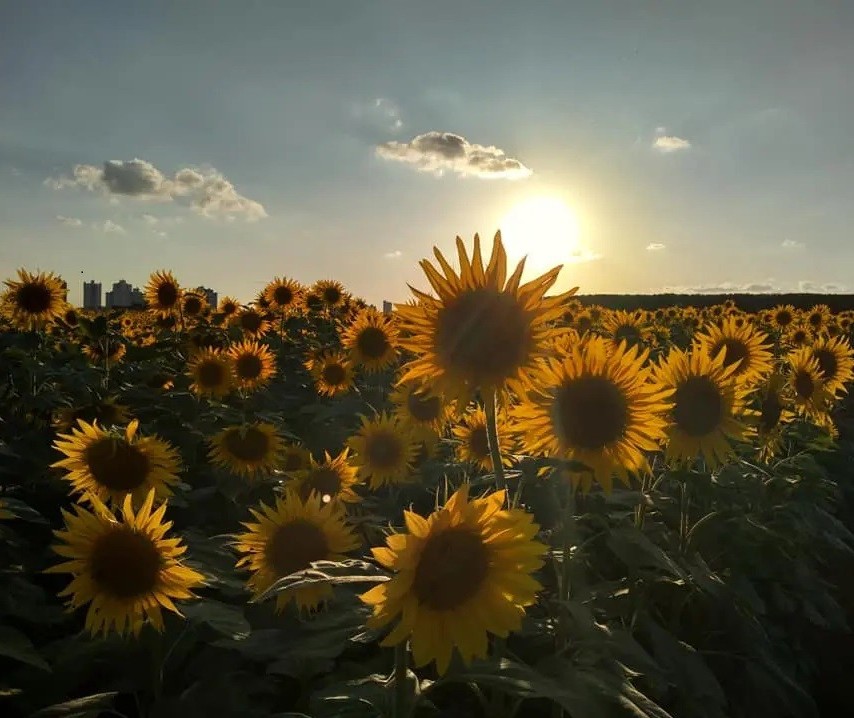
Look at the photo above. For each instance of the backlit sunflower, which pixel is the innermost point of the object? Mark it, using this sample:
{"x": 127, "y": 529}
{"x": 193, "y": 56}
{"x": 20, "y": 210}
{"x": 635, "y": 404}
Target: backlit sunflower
{"x": 254, "y": 364}
{"x": 817, "y": 317}
{"x": 811, "y": 397}
{"x": 212, "y": 373}
{"x": 744, "y": 348}
{"x": 162, "y": 293}
{"x": 596, "y": 406}
{"x": 332, "y": 479}
{"x": 247, "y": 450}
{"x": 284, "y": 294}
{"x": 384, "y": 451}
{"x": 105, "y": 412}
{"x": 460, "y": 574}
{"x": 798, "y": 335}
{"x": 287, "y": 538}
{"x": 252, "y": 322}
{"x": 34, "y": 299}
{"x": 108, "y": 349}
{"x": 420, "y": 408}
{"x": 70, "y": 318}
{"x": 228, "y": 307}
{"x": 482, "y": 330}
{"x": 473, "y": 444}
{"x": 783, "y": 316}
{"x": 772, "y": 413}
{"x": 110, "y": 465}
{"x": 193, "y": 304}
{"x": 630, "y": 327}
{"x": 835, "y": 363}
{"x": 332, "y": 372}
{"x": 371, "y": 340}
{"x": 707, "y": 402}
{"x": 125, "y": 569}
{"x": 294, "y": 458}
{"x": 329, "y": 291}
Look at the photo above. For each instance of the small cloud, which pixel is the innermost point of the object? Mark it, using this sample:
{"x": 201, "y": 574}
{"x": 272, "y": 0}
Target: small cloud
{"x": 792, "y": 244}
{"x": 808, "y": 287}
{"x": 15, "y": 172}
{"x": 150, "y": 219}
{"x": 110, "y": 227}
{"x": 396, "y": 254}
{"x": 206, "y": 191}
{"x": 767, "y": 286}
{"x": 69, "y": 221}
{"x": 660, "y": 130}
{"x": 579, "y": 256}
{"x": 379, "y": 114}
{"x": 670, "y": 143}
{"x": 161, "y": 233}
{"x": 440, "y": 152}
{"x": 655, "y": 247}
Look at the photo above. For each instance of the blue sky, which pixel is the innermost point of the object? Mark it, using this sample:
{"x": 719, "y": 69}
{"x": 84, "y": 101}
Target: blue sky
{"x": 700, "y": 145}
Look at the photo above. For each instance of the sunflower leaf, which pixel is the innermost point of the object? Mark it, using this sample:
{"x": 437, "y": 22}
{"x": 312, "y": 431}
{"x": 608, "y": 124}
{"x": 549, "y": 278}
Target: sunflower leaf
{"x": 15, "y": 645}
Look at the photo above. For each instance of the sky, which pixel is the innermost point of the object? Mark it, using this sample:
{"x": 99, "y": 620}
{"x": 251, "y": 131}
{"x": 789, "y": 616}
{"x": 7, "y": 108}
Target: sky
{"x": 689, "y": 146}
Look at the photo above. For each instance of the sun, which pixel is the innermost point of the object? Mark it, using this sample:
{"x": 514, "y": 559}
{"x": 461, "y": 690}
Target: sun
{"x": 543, "y": 228}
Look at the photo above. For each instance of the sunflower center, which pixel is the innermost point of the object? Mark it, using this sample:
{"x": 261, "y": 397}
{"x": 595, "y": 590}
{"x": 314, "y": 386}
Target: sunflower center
{"x": 590, "y": 412}
{"x": 422, "y": 406}
{"x": 192, "y": 306}
{"x": 827, "y": 363}
{"x": 248, "y": 366}
{"x": 783, "y": 318}
{"x": 479, "y": 442}
{"x": 251, "y": 321}
{"x": 697, "y": 406}
{"x": 334, "y": 374}
{"x": 116, "y": 464}
{"x": 815, "y": 319}
{"x": 167, "y": 294}
{"x": 384, "y": 450}
{"x": 250, "y": 444}
{"x": 772, "y": 410}
{"x": 628, "y": 333}
{"x": 70, "y": 318}
{"x": 211, "y": 374}
{"x": 34, "y": 297}
{"x": 804, "y": 385}
{"x": 451, "y": 569}
{"x": 799, "y": 336}
{"x": 324, "y": 480}
{"x": 331, "y": 295}
{"x": 229, "y": 308}
{"x": 313, "y": 302}
{"x": 125, "y": 564}
{"x": 483, "y": 334}
{"x": 734, "y": 350}
{"x": 294, "y": 546}
{"x": 373, "y": 343}
{"x": 283, "y": 295}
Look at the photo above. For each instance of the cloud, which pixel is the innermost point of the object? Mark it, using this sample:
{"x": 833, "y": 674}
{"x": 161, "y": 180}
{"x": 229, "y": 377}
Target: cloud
{"x": 808, "y": 287}
{"x": 69, "y": 221}
{"x": 110, "y": 227}
{"x": 379, "y": 114}
{"x": 149, "y": 219}
{"x": 792, "y": 244}
{"x": 440, "y": 152}
{"x": 161, "y": 233}
{"x": 205, "y": 190}
{"x": 655, "y": 247}
{"x": 395, "y": 254}
{"x": 767, "y": 286}
{"x": 670, "y": 143}
{"x": 580, "y": 256}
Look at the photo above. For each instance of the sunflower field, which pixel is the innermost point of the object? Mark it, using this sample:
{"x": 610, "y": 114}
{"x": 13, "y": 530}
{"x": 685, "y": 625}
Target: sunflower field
{"x": 493, "y": 501}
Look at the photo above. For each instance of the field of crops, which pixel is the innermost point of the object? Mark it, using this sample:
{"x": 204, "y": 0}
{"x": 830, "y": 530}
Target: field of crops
{"x": 494, "y": 501}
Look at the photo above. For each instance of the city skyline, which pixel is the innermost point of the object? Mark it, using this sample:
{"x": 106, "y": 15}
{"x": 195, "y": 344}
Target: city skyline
{"x": 124, "y": 294}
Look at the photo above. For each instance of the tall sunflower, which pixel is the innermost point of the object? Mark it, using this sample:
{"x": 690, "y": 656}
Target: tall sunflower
{"x": 333, "y": 479}
{"x": 212, "y": 372}
{"x": 253, "y": 323}
{"x": 707, "y": 403}
{"x": 110, "y": 465}
{"x": 284, "y": 294}
{"x": 482, "y": 330}
{"x": 598, "y": 407}
{"x": 329, "y": 292}
{"x": 295, "y": 458}
{"x": 630, "y": 327}
{"x": 384, "y": 451}
{"x": 772, "y": 413}
{"x": 473, "y": 444}
{"x": 817, "y": 317}
{"x": 798, "y": 335}
{"x": 332, "y": 372}
{"x": 287, "y": 538}
{"x": 34, "y": 299}
{"x": 743, "y": 347}
{"x": 835, "y": 362}
{"x": 125, "y": 568}
{"x": 254, "y": 364}
{"x": 247, "y": 450}
{"x": 420, "y": 408}
{"x": 812, "y": 399}
{"x": 228, "y": 307}
{"x": 783, "y": 316}
{"x": 460, "y": 574}
{"x": 162, "y": 293}
{"x": 193, "y": 304}
{"x": 371, "y": 340}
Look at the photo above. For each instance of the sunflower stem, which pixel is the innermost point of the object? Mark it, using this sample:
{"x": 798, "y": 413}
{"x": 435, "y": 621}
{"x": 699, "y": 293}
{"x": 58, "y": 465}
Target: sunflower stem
{"x": 401, "y": 687}
{"x": 684, "y": 511}
{"x": 492, "y": 440}
{"x": 564, "y": 583}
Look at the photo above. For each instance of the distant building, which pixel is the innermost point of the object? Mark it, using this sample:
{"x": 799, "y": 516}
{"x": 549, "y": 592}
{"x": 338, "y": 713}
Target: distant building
{"x": 123, "y": 295}
{"x": 387, "y": 307}
{"x": 91, "y": 295}
{"x": 210, "y": 295}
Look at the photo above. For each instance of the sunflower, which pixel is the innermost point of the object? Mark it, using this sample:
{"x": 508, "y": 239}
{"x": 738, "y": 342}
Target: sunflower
{"x": 332, "y": 372}
{"x": 212, "y": 372}
{"x": 817, "y": 317}
{"x": 105, "y": 350}
{"x": 473, "y": 444}
{"x": 330, "y": 292}
{"x": 287, "y": 538}
{"x": 228, "y": 307}
{"x": 783, "y": 316}
{"x": 331, "y": 479}
{"x": 595, "y": 406}
{"x": 772, "y": 414}
{"x": 294, "y": 458}
{"x": 743, "y": 348}
{"x": 253, "y": 323}
{"x": 106, "y": 412}
{"x": 384, "y": 451}
{"x": 125, "y": 568}
{"x": 371, "y": 340}
{"x": 707, "y": 401}
{"x": 481, "y": 331}
{"x": 162, "y": 293}
{"x": 284, "y": 294}
{"x": 630, "y": 327}
{"x": 70, "y": 317}
{"x": 798, "y": 335}
{"x": 111, "y": 465}
{"x": 193, "y": 304}
{"x": 254, "y": 364}
{"x": 463, "y": 572}
{"x": 420, "y": 408}
{"x": 835, "y": 363}
{"x": 313, "y": 302}
{"x": 34, "y": 299}
{"x": 812, "y": 399}
{"x": 247, "y": 450}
